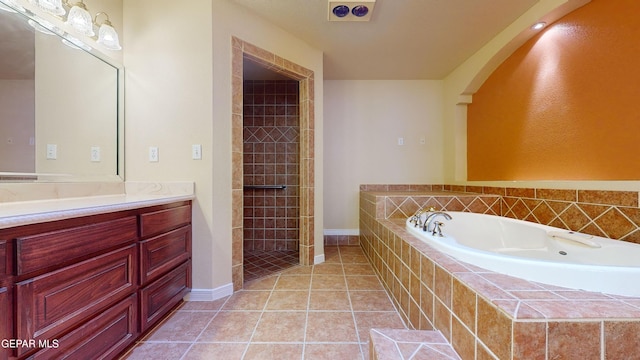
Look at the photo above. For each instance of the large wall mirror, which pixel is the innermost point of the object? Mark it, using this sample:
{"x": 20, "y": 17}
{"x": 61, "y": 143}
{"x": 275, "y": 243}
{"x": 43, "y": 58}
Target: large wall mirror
{"x": 61, "y": 109}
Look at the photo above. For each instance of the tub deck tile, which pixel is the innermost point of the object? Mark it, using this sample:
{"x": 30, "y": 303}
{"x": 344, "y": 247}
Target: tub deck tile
{"x": 590, "y": 309}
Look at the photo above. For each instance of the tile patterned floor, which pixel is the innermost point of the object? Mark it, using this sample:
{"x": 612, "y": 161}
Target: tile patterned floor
{"x": 258, "y": 264}
{"x": 318, "y": 312}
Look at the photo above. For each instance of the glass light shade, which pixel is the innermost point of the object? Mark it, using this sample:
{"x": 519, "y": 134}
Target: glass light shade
{"x": 80, "y": 19}
{"x": 51, "y": 6}
{"x": 108, "y": 37}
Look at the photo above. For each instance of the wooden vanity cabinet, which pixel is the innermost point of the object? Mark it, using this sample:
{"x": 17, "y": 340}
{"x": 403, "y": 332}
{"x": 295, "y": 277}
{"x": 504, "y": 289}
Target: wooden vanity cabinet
{"x": 165, "y": 262}
{"x": 88, "y": 287}
{"x": 6, "y": 320}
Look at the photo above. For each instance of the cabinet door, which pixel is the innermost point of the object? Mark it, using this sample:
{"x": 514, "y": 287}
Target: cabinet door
{"x": 163, "y": 294}
{"x": 103, "y": 337}
{"x": 5, "y": 322}
{"x": 51, "y": 304}
{"x": 162, "y": 253}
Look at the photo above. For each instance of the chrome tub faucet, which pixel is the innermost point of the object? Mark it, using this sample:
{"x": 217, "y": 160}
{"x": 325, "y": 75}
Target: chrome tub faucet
{"x": 430, "y": 220}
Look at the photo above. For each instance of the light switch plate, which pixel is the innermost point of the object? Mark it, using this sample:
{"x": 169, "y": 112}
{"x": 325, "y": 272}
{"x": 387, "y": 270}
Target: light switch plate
{"x": 196, "y": 152}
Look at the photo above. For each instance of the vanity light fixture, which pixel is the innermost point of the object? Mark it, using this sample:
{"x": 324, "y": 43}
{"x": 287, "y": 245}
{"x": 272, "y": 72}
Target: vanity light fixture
{"x": 107, "y": 35}
{"x": 539, "y": 25}
{"x": 51, "y": 6}
{"x": 350, "y": 10}
{"x": 80, "y": 19}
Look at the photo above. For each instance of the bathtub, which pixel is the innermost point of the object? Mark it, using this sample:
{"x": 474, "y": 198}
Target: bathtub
{"x": 538, "y": 252}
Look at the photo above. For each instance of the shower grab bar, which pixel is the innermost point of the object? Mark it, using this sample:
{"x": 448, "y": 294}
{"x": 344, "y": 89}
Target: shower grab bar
{"x": 277, "y": 187}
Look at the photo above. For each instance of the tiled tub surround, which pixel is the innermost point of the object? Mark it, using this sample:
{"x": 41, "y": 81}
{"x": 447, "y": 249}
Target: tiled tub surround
{"x": 610, "y": 214}
{"x": 271, "y": 157}
{"x": 486, "y": 315}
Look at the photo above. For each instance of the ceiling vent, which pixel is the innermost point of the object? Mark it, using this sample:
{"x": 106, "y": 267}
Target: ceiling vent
{"x": 351, "y": 10}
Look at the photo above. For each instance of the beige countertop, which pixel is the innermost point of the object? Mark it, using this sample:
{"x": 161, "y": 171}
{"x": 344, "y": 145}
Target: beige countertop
{"x": 136, "y": 195}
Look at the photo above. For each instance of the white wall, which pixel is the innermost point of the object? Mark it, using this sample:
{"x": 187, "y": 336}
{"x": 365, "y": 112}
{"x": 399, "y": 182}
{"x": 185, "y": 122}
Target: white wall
{"x": 363, "y": 121}
{"x": 168, "y": 92}
{"x": 178, "y": 93}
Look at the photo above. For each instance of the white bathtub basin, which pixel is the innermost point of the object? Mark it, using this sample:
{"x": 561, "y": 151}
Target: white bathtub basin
{"x": 539, "y": 253}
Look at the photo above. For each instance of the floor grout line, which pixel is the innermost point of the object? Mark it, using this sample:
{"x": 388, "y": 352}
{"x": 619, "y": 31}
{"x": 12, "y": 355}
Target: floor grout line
{"x": 320, "y": 275}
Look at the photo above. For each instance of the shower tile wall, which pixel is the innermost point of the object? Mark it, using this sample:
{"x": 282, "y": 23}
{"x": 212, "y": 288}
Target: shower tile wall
{"x": 271, "y": 157}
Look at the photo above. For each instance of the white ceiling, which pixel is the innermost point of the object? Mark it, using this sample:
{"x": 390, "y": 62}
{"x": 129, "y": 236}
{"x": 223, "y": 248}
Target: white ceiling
{"x": 405, "y": 39}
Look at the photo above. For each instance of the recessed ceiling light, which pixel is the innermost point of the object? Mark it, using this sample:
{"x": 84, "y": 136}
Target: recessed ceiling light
{"x": 539, "y": 25}
{"x": 341, "y": 11}
{"x": 350, "y": 10}
{"x": 360, "y": 10}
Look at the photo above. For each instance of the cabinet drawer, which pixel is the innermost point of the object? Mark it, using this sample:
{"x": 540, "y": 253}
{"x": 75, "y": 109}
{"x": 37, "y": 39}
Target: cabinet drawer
{"x": 103, "y": 337}
{"x": 54, "y": 302}
{"x": 164, "y": 220}
{"x": 41, "y": 251}
{"x": 164, "y": 252}
{"x": 162, "y": 295}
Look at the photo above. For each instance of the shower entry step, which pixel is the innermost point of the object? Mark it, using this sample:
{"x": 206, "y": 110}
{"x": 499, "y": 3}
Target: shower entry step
{"x": 400, "y": 344}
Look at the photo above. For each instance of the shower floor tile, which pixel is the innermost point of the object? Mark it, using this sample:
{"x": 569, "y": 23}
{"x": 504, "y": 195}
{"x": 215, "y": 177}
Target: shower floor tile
{"x": 302, "y": 312}
{"x": 261, "y": 263}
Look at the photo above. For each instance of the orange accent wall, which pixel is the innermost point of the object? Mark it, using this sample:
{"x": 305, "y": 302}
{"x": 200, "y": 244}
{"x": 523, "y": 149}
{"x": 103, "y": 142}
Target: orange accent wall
{"x": 566, "y": 104}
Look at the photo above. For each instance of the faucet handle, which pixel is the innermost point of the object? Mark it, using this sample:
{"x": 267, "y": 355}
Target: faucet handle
{"x": 415, "y": 218}
{"x": 437, "y": 228}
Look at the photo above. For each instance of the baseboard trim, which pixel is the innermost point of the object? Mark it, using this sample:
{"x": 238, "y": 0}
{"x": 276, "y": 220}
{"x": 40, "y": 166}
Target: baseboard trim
{"x": 210, "y": 294}
{"x": 318, "y": 259}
